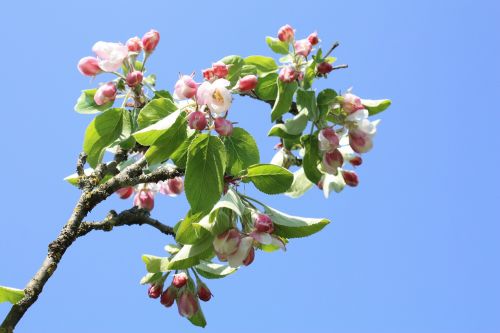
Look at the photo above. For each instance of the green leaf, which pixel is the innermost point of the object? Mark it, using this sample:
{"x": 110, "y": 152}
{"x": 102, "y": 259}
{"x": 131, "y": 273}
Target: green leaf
{"x": 147, "y": 136}
{"x": 151, "y": 278}
{"x": 168, "y": 142}
{"x": 86, "y": 104}
{"x": 155, "y": 110}
{"x": 198, "y": 319}
{"x": 375, "y": 106}
{"x": 221, "y": 217}
{"x": 289, "y": 226}
{"x": 10, "y": 295}
{"x": 325, "y": 100}
{"x": 306, "y": 101}
{"x": 179, "y": 156}
{"x": 163, "y": 94}
{"x": 101, "y": 133}
{"x": 188, "y": 231}
{"x": 284, "y": 99}
{"x": 235, "y": 65}
{"x": 277, "y": 46}
{"x": 267, "y": 87}
{"x": 248, "y": 70}
{"x": 242, "y": 151}
{"x": 210, "y": 270}
{"x": 204, "y": 179}
{"x": 269, "y": 178}
{"x": 264, "y": 65}
{"x": 310, "y": 74}
{"x": 291, "y": 128}
{"x": 191, "y": 254}
{"x": 312, "y": 159}
{"x": 155, "y": 264}
{"x": 300, "y": 184}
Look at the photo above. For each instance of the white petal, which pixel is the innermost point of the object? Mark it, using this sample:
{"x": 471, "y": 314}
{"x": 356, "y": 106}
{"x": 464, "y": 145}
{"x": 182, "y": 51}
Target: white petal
{"x": 236, "y": 259}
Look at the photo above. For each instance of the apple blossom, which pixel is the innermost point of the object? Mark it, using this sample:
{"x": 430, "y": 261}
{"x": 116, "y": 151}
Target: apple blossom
{"x": 324, "y": 68}
{"x": 105, "y": 93}
{"x": 168, "y": 296}
{"x": 351, "y": 103}
{"x": 180, "y": 280}
{"x": 134, "y": 78}
{"x": 144, "y": 199}
{"x": 361, "y": 137}
{"x": 220, "y": 69}
{"x": 110, "y": 55}
{"x": 313, "y": 38}
{"x": 350, "y": 178}
{"x": 332, "y": 160}
{"x": 134, "y": 44}
{"x": 328, "y": 139}
{"x": 203, "y": 292}
{"x": 250, "y": 257}
{"x": 227, "y": 243}
{"x": 263, "y": 223}
{"x": 244, "y": 247}
{"x": 220, "y": 97}
{"x": 155, "y": 290}
{"x": 89, "y": 66}
{"x": 223, "y": 126}
{"x": 288, "y": 74}
{"x": 150, "y": 40}
{"x": 172, "y": 187}
{"x": 208, "y": 74}
{"x": 303, "y": 47}
{"x": 203, "y": 93}
{"x": 185, "y": 87}
{"x": 197, "y": 120}
{"x": 286, "y": 33}
{"x": 187, "y": 304}
{"x": 125, "y": 192}
{"x": 248, "y": 82}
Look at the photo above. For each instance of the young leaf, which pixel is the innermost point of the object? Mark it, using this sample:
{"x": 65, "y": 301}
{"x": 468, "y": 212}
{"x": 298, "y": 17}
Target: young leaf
{"x": 325, "y": 100}
{"x": 188, "y": 231}
{"x": 242, "y": 151}
{"x": 291, "y": 128}
{"x": 284, "y": 99}
{"x": 151, "y": 278}
{"x": 163, "y": 94}
{"x": 168, "y": 142}
{"x": 289, "y": 226}
{"x": 86, "y": 104}
{"x": 264, "y": 65}
{"x": 147, "y": 136}
{"x": 154, "y": 264}
{"x": 267, "y": 87}
{"x": 269, "y": 178}
{"x": 312, "y": 159}
{"x": 191, "y": 254}
{"x": 205, "y": 166}
{"x": 235, "y": 64}
{"x": 154, "y": 111}
{"x": 198, "y": 319}
{"x": 306, "y": 101}
{"x": 101, "y": 133}
{"x": 10, "y": 295}
{"x": 376, "y": 106}
{"x": 210, "y": 270}
{"x": 179, "y": 156}
{"x": 277, "y": 46}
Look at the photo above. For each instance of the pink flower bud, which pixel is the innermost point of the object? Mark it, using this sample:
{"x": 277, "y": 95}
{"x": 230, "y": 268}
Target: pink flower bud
{"x": 250, "y": 257}
{"x": 180, "y": 280}
{"x": 227, "y": 243}
{"x": 197, "y": 120}
{"x": 332, "y": 160}
{"x": 203, "y": 292}
{"x": 144, "y": 199}
{"x": 360, "y": 141}
{"x": 220, "y": 69}
{"x": 105, "y": 93}
{"x": 125, "y": 192}
{"x": 187, "y": 304}
{"x": 150, "y": 40}
{"x": 286, "y": 33}
{"x": 351, "y": 103}
{"x": 263, "y": 223}
{"x": 134, "y": 78}
{"x": 248, "y": 82}
{"x": 185, "y": 87}
{"x": 134, "y": 44}
{"x": 313, "y": 38}
{"x": 89, "y": 66}
{"x": 223, "y": 127}
{"x": 324, "y": 68}
{"x": 356, "y": 161}
{"x": 172, "y": 187}
{"x": 350, "y": 177}
{"x": 208, "y": 74}
{"x": 288, "y": 74}
{"x": 328, "y": 139}
{"x": 154, "y": 290}
{"x": 303, "y": 47}
{"x": 168, "y": 296}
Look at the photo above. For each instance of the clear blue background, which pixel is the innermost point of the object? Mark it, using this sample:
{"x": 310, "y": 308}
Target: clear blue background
{"x": 414, "y": 248}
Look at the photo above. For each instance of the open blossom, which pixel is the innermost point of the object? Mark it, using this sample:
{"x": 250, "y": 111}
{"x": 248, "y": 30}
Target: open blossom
{"x": 111, "y": 55}
{"x": 134, "y": 44}
{"x": 286, "y": 33}
{"x": 248, "y": 82}
{"x": 223, "y": 127}
{"x": 150, "y": 40}
{"x": 288, "y": 74}
{"x": 351, "y": 103}
{"x": 220, "y": 69}
{"x": 227, "y": 243}
{"x": 244, "y": 248}
{"x": 105, "y": 93}
{"x": 89, "y": 66}
{"x": 187, "y": 304}
{"x": 250, "y": 257}
{"x": 145, "y": 199}
{"x": 361, "y": 138}
{"x": 185, "y": 87}
{"x": 332, "y": 160}
{"x": 220, "y": 97}
{"x": 172, "y": 187}
{"x": 328, "y": 139}
{"x": 303, "y": 47}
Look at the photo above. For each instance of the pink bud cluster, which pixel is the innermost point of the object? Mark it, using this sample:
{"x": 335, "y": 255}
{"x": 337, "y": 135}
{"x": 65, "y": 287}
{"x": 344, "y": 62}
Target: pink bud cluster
{"x": 145, "y": 193}
{"x": 183, "y": 292}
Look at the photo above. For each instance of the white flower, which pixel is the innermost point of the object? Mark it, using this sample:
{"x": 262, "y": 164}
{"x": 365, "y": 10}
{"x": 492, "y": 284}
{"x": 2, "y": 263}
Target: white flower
{"x": 220, "y": 97}
{"x": 110, "y": 55}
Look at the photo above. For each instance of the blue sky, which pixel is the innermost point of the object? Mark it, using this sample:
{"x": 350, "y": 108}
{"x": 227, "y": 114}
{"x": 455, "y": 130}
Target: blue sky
{"x": 413, "y": 249}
